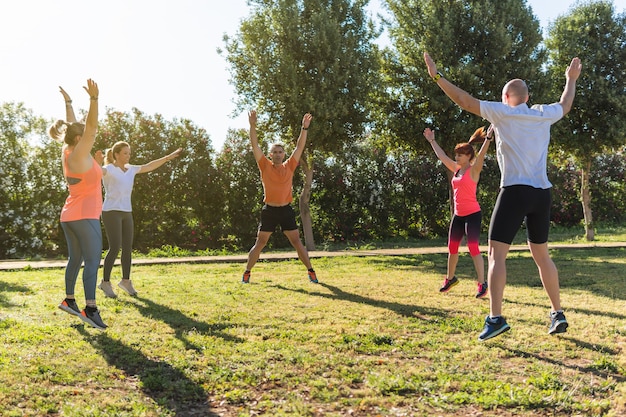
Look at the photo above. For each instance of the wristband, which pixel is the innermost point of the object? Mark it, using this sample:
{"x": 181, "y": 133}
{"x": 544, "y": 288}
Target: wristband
{"x": 437, "y": 76}
{"x": 304, "y": 128}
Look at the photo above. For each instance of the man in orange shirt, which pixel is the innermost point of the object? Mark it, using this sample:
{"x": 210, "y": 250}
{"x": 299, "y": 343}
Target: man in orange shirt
{"x": 277, "y": 177}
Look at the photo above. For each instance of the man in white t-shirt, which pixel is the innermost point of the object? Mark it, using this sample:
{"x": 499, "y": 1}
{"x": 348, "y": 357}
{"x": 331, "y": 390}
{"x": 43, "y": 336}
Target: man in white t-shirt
{"x": 522, "y": 138}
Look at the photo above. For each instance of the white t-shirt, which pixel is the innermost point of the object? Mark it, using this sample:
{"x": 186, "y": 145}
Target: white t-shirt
{"x": 522, "y": 139}
{"x": 118, "y": 187}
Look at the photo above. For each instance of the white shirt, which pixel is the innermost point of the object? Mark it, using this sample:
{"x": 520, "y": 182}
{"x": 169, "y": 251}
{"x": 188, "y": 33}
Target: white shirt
{"x": 118, "y": 187}
{"x": 522, "y": 139}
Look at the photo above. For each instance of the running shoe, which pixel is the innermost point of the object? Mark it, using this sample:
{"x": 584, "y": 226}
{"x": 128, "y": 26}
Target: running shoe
{"x": 108, "y": 289}
{"x": 69, "y": 306}
{"x": 245, "y": 278}
{"x": 127, "y": 285}
{"x": 482, "y": 290}
{"x": 448, "y": 284}
{"x": 493, "y": 327}
{"x": 313, "y": 277}
{"x": 558, "y": 322}
{"x": 91, "y": 316}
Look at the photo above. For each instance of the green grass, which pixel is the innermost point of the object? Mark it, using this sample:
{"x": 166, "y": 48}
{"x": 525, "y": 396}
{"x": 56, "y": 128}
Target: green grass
{"x": 375, "y": 338}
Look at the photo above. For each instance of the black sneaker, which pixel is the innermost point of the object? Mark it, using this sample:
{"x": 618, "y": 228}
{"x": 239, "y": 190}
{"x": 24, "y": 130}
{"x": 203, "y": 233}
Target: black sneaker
{"x": 493, "y": 327}
{"x": 69, "y": 306}
{"x": 558, "y": 322}
{"x": 448, "y": 284}
{"x": 91, "y": 316}
{"x": 482, "y": 290}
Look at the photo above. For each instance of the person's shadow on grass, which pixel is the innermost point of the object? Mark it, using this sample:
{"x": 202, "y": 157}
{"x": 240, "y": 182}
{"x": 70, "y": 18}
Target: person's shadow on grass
{"x": 181, "y": 323}
{"x": 165, "y": 384}
{"x": 406, "y": 310}
{"x": 5, "y": 287}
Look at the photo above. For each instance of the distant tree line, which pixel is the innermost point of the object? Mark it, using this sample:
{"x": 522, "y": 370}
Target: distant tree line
{"x": 211, "y": 200}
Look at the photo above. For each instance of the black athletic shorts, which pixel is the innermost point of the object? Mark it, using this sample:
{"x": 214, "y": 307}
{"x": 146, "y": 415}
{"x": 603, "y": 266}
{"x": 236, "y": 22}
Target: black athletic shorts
{"x": 515, "y": 204}
{"x": 271, "y": 217}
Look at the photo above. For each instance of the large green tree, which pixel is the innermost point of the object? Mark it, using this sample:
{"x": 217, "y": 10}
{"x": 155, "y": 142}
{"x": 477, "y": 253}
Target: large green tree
{"x": 477, "y": 44}
{"x": 597, "y": 123}
{"x": 290, "y": 57}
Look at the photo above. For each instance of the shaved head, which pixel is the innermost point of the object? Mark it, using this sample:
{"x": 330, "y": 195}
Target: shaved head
{"x": 515, "y": 92}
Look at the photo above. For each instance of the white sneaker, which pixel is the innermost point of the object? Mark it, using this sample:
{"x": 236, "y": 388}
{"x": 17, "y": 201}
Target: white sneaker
{"x": 108, "y": 289}
{"x": 127, "y": 286}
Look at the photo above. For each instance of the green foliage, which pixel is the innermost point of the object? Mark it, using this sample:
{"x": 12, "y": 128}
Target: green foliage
{"x": 180, "y": 202}
{"x": 290, "y": 57}
{"x": 597, "y": 122}
{"x": 479, "y": 45}
{"x": 28, "y": 183}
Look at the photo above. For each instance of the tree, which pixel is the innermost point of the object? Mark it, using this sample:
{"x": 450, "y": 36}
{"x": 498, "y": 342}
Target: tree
{"x": 597, "y": 124}
{"x": 296, "y": 56}
{"x": 20, "y": 232}
{"x": 479, "y": 44}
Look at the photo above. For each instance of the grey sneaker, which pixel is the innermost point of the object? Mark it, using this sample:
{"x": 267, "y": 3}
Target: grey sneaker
{"x": 558, "y": 322}
{"x": 91, "y": 316}
{"x": 127, "y": 286}
{"x": 69, "y": 306}
{"x": 108, "y": 289}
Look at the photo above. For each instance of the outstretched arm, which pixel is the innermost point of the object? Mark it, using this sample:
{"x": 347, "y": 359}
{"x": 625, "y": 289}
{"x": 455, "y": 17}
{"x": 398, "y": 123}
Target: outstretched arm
{"x": 479, "y": 161}
{"x": 306, "y": 121}
{"x": 80, "y": 159}
{"x": 445, "y": 159}
{"x": 571, "y": 75}
{"x": 254, "y": 140}
{"x": 459, "y": 96}
{"x": 152, "y": 165}
{"x": 69, "y": 110}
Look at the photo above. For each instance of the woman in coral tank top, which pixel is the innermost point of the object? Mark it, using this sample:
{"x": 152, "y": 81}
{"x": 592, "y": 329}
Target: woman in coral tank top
{"x": 80, "y": 216}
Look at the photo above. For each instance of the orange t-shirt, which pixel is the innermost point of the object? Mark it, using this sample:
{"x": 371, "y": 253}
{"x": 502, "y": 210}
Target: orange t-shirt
{"x": 277, "y": 181}
{"x": 85, "y": 199}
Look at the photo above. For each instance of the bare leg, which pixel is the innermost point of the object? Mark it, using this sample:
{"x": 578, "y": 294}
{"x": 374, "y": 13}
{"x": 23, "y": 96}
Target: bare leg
{"x": 548, "y": 272}
{"x": 255, "y": 252}
{"x": 496, "y": 275}
{"x": 453, "y": 260}
{"x": 303, "y": 254}
{"x": 479, "y": 265}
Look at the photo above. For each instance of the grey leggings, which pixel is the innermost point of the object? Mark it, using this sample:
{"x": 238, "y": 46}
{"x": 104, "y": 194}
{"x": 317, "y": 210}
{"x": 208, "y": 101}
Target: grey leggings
{"x": 119, "y": 228}
{"x": 84, "y": 242}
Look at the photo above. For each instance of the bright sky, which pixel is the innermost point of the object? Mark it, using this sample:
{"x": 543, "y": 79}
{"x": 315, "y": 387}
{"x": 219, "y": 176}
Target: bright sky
{"x": 156, "y": 55}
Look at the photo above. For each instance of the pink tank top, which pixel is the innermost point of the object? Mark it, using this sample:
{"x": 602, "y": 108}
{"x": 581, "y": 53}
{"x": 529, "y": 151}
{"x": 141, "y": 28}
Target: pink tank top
{"x": 465, "y": 202}
{"x": 85, "y": 199}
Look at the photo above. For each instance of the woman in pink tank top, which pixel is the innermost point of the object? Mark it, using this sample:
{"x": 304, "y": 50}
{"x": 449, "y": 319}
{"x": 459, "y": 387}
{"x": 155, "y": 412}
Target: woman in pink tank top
{"x": 467, "y": 218}
{"x": 80, "y": 216}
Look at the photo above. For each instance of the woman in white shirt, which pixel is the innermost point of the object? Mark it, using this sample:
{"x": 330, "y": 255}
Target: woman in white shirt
{"x": 117, "y": 214}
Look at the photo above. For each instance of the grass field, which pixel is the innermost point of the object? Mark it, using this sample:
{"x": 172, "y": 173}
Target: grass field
{"x": 375, "y": 338}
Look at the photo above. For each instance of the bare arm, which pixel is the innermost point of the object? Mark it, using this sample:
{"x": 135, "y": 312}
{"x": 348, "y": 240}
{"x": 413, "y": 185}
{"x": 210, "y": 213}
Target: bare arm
{"x": 80, "y": 159}
{"x": 445, "y": 159}
{"x": 479, "y": 161}
{"x": 69, "y": 110}
{"x": 254, "y": 140}
{"x": 571, "y": 75}
{"x": 297, "y": 153}
{"x": 152, "y": 165}
{"x": 462, "y": 98}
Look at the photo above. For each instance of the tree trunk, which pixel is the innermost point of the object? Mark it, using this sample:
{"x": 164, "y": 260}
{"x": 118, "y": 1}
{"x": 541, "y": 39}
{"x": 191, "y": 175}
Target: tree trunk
{"x": 305, "y": 210}
{"x": 585, "y": 194}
